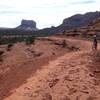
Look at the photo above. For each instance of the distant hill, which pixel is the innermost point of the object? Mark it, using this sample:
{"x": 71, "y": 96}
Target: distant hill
{"x": 92, "y": 28}
{"x": 27, "y": 25}
{"x": 78, "y": 20}
{"x": 95, "y": 24}
{"x": 86, "y": 31}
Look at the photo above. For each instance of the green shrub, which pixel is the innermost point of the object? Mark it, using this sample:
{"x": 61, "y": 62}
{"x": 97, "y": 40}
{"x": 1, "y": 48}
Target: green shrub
{"x": 30, "y": 40}
{"x": 64, "y": 44}
{"x": 9, "y": 47}
{"x": 1, "y": 56}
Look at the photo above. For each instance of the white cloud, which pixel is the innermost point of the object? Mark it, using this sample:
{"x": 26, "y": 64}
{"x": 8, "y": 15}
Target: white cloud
{"x": 44, "y": 12}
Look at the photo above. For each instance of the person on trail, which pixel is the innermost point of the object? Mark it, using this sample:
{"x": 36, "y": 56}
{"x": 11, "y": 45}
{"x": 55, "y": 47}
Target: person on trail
{"x": 95, "y": 42}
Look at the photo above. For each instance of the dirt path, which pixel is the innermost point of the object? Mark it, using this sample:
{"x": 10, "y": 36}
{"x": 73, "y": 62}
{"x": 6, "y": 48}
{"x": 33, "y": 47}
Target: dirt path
{"x": 66, "y": 78}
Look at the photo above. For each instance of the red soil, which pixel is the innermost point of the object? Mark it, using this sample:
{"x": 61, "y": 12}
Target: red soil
{"x": 46, "y": 71}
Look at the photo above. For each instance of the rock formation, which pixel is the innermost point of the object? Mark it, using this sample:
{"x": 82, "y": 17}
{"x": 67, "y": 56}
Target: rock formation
{"x": 27, "y": 25}
{"x": 78, "y": 20}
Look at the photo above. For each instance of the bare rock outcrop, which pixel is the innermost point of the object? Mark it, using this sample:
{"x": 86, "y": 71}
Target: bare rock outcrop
{"x": 27, "y": 25}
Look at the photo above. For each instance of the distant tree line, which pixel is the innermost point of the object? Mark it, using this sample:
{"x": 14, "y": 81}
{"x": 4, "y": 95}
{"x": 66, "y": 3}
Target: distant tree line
{"x": 15, "y": 35}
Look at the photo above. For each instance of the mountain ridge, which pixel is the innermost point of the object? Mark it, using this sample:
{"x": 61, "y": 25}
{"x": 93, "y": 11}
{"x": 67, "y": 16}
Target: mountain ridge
{"x": 70, "y": 23}
{"x": 78, "y": 20}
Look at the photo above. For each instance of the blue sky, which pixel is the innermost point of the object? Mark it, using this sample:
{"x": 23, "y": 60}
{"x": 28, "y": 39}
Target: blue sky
{"x": 46, "y": 13}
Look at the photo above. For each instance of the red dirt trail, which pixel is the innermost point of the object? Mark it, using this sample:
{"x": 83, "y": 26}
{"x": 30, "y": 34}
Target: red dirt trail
{"x": 67, "y": 77}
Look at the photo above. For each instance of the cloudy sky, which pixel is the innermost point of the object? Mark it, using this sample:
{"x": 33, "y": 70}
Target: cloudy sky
{"x": 46, "y": 13}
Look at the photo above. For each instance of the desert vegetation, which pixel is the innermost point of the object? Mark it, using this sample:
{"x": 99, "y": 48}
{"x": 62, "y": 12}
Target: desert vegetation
{"x": 30, "y": 40}
{"x": 9, "y": 46}
{"x": 1, "y": 56}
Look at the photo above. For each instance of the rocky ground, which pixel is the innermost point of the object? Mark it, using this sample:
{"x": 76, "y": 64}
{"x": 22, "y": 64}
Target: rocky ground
{"x": 46, "y": 71}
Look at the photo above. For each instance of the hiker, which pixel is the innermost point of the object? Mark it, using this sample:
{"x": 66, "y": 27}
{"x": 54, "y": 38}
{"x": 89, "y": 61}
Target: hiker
{"x": 95, "y": 42}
